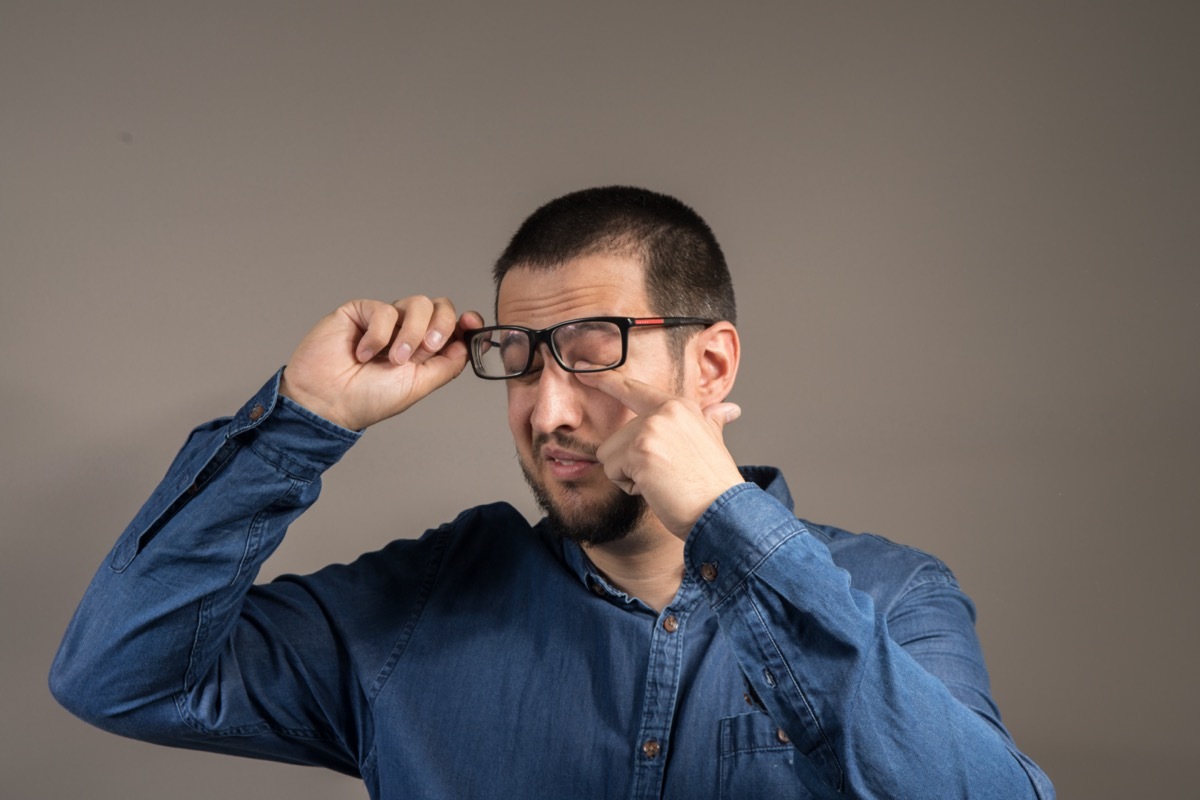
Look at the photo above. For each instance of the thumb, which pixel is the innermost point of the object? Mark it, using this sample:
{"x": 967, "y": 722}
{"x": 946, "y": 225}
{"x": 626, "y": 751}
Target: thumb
{"x": 722, "y": 414}
{"x": 441, "y": 368}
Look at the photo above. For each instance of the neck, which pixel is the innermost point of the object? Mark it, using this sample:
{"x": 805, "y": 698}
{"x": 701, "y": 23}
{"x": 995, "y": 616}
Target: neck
{"x": 646, "y": 564}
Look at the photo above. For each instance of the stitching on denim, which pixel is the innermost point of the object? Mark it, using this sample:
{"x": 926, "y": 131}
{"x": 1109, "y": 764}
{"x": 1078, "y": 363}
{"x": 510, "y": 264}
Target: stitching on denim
{"x": 282, "y": 461}
{"x": 410, "y": 627}
{"x": 943, "y": 577}
{"x": 254, "y": 531}
{"x": 727, "y": 755}
{"x": 204, "y": 615}
{"x": 722, "y": 501}
{"x": 1038, "y": 781}
{"x": 433, "y": 570}
{"x": 247, "y": 730}
{"x": 726, "y": 748}
{"x": 220, "y": 457}
{"x": 202, "y": 618}
{"x": 754, "y": 567}
{"x": 368, "y": 770}
{"x": 766, "y": 629}
{"x": 764, "y": 748}
{"x": 326, "y": 426}
{"x": 929, "y": 559}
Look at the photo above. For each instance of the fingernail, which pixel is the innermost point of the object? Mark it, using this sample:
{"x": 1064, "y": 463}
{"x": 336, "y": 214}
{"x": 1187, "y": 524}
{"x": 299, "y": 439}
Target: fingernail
{"x": 365, "y": 354}
{"x": 403, "y": 352}
{"x": 434, "y": 339}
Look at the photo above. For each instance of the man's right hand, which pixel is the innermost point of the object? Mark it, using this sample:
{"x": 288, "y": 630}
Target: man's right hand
{"x": 371, "y": 360}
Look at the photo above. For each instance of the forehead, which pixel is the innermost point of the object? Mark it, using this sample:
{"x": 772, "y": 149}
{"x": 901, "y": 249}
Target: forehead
{"x": 589, "y": 286}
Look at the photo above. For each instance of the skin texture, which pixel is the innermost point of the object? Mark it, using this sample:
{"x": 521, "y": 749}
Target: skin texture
{"x": 639, "y": 401}
{"x": 651, "y": 429}
{"x": 370, "y": 360}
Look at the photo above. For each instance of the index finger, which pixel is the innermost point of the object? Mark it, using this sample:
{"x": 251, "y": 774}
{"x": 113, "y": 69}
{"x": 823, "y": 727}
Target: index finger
{"x": 470, "y": 320}
{"x": 640, "y": 398}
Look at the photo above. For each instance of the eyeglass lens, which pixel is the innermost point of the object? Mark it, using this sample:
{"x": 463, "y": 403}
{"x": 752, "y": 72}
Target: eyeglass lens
{"x": 506, "y": 351}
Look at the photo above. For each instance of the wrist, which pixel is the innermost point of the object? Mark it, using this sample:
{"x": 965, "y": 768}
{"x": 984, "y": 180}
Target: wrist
{"x": 314, "y": 404}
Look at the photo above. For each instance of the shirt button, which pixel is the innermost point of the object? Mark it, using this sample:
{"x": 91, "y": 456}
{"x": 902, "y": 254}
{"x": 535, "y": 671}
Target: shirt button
{"x": 782, "y": 736}
{"x": 598, "y": 589}
{"x": 708, "y": 572}
{"x": 256, "y": 412}
{"x": 670, "y": 624}
{"x": 651, "y": 748}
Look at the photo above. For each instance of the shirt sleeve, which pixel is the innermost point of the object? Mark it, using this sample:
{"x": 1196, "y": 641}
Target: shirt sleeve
{"x": 881, "y": 703}
{"x": 172, "y": 644}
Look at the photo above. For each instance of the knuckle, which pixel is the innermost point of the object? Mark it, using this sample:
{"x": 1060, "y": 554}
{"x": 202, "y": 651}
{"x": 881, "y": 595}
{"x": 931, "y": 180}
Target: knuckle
{"x": 644, "y": 446}
{"x": 413, "y": 303}
{"x": 676, "y": 406}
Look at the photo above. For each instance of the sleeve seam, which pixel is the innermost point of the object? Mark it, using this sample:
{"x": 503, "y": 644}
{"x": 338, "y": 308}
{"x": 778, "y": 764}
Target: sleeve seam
{"x": 247, "y": 730}
{"x": 722, "y": 599}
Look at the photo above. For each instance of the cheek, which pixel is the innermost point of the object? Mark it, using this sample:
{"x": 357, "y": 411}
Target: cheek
{"x": 519, "y": 410}
{"x": 609, "y": 414}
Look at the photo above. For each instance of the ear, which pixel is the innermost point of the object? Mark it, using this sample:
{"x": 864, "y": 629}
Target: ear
{"x": 717, "y": 354}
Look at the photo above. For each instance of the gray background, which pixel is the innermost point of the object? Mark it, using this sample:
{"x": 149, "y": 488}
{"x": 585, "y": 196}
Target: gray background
{"x": 963, "y": 235}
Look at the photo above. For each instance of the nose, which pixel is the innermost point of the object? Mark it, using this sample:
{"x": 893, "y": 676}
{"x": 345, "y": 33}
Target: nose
{"x": 558, "y": 401}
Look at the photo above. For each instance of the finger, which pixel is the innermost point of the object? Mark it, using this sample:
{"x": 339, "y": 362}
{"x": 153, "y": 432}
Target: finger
{"x": 455, "y": 349}
{"x": 415, "y": 314}
{"x": 469, "y": 321}
{"x": 438, "y": 330}
{"x": 440, "y": 368}
{"x": 640, "y": 398}
{"x": 721, "y": 414}
{"x": 378, "y": 319}
{"x": 609, "y": 456}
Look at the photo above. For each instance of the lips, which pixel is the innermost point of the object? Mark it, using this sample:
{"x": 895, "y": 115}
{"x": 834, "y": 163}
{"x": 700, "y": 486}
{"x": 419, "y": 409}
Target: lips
{"x": 567, "y": 465}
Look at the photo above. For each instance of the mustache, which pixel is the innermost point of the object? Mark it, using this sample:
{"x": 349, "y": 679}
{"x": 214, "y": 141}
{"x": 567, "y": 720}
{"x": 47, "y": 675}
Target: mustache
{"x": 565, "y": 441}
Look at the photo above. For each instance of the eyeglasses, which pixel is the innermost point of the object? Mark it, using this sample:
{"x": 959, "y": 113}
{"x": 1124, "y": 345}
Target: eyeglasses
{"x": 509, "y": 351}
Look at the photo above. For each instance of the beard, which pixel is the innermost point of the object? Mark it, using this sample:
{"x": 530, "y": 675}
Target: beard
{"x": 611, "y": 518}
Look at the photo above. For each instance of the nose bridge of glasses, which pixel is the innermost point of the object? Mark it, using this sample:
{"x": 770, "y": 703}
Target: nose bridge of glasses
{"x": 539, "y": 343}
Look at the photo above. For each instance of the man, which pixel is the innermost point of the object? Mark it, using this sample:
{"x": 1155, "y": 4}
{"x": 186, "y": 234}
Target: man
{"x": 669, "y": 630}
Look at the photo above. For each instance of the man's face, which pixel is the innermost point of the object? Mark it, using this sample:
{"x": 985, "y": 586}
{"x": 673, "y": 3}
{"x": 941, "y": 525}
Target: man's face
{"x": 556, "y": 421}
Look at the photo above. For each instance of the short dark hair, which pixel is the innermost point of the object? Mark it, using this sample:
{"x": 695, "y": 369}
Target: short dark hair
{"x": 685, "y": 270}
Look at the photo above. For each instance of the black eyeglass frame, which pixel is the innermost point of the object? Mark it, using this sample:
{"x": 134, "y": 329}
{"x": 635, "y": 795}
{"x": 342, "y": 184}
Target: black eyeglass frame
{"x": 546, "y": 336}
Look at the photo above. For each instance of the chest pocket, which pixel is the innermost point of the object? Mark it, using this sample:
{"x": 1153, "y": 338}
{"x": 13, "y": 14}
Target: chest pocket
{"x": 757, "y": 762}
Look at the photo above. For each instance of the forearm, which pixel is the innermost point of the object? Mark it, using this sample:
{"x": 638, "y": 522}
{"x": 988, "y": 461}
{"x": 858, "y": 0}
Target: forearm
{"x": 871, "y": 718}
{"x": 164, "y": 603}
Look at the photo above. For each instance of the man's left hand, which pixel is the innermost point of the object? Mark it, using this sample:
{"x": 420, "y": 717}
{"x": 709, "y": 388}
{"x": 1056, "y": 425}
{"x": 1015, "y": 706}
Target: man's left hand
{"x": 672, "y": 453}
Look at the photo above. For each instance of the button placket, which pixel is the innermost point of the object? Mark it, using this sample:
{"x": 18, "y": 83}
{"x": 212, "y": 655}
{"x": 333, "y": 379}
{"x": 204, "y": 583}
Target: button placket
{"x": 658, "y": 709}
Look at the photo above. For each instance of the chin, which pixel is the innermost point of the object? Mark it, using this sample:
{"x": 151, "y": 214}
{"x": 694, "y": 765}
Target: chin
{"x": 610, "y": 517}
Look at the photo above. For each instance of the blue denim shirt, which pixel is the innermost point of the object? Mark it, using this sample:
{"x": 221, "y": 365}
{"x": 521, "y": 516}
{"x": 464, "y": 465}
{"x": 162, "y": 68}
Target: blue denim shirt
{"x": 489, "y": 658}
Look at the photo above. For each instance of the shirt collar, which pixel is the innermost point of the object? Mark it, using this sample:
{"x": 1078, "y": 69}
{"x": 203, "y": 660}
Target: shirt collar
{"x": 769, "y": 479}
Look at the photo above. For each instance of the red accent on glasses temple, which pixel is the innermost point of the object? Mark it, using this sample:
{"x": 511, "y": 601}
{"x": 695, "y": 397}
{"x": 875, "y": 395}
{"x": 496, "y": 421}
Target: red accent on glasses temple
{"x": 655, "y": 321}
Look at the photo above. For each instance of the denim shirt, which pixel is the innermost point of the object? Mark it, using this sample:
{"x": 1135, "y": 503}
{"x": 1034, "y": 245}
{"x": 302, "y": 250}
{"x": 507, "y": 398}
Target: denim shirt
{"x": 489, "y": 658}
